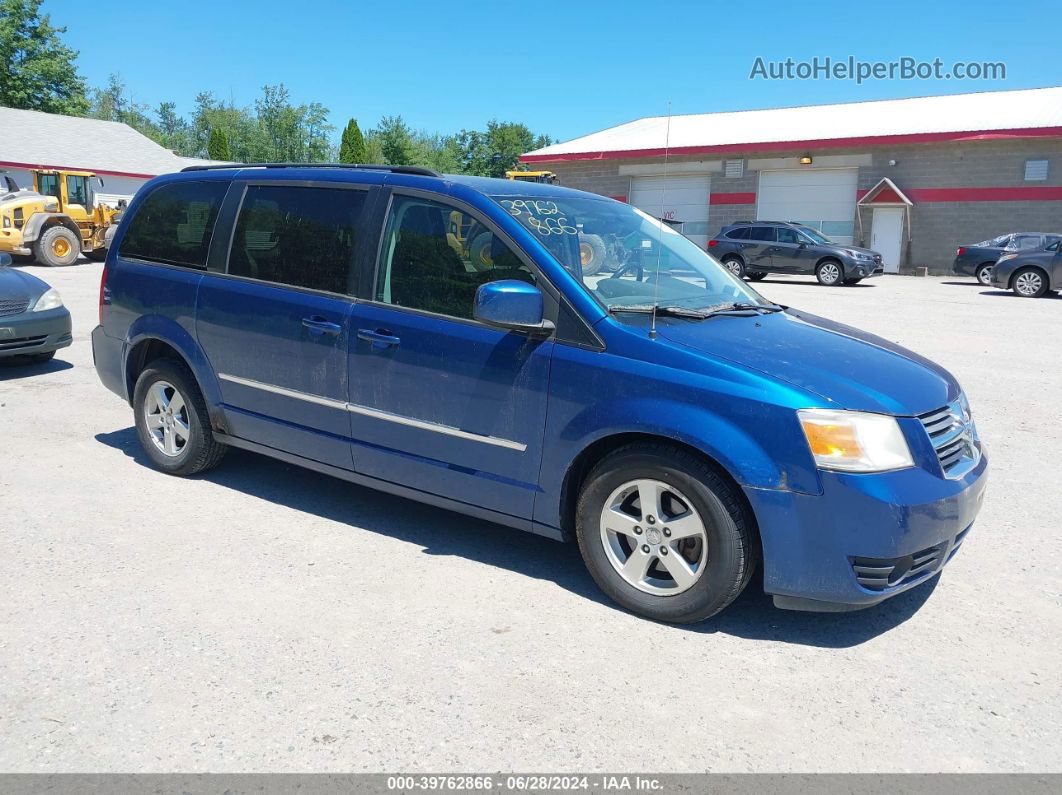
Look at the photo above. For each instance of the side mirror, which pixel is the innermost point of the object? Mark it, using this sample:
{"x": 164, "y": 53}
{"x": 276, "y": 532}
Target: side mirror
{"x": 5, "y": 259}
{"x": 511, "y": 304}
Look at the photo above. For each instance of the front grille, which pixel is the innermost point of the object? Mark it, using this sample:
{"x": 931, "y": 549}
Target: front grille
{"x": 951, "y": 431}
{"x": 877, "y": 574}
{"x": 22, "y": 342}
{"x": 13, "y": 306}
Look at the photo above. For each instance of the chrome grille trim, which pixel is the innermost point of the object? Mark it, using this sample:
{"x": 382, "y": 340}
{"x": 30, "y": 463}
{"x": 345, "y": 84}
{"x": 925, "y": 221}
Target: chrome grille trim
{"x": 954, "y": 438}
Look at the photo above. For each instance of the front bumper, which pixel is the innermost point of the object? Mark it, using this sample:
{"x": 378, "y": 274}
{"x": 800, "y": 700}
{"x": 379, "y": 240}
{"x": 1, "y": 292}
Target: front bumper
{"x": 862, "y": 269}
{"x": 35, "y": 332}
{"x": 866, "y": 537}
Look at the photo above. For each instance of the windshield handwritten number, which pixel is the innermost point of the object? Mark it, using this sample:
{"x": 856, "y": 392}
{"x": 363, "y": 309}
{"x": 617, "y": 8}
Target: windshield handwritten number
{"x": 552, "y": 226}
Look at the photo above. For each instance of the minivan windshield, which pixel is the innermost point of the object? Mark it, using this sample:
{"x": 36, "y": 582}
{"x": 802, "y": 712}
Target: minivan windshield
{"x": 626, "y": 258}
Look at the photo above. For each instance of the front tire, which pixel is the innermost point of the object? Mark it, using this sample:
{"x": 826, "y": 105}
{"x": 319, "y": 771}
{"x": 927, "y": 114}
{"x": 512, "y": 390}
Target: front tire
{"x": 172, "y": 421}
{"x": 755, "y": 277}
{"x": 663, "y": 534}
{"x": 829, "y": 273}
{"x": 1029, "y": 283}
{"x": 735, "y": 266}
{"x": 57, "y": 246}
{"x": 983, "y": 274}
{"x": 97, "y": 255}
{"x": 592, "y": 254}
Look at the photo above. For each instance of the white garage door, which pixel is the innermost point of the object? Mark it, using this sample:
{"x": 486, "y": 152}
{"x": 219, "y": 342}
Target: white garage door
{"x": 820, "y": 197}
{"x": 675, "y": 198}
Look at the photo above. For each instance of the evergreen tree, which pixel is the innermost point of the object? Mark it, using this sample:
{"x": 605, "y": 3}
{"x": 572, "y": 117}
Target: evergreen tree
{"x": 352, "y": 147}
{"x": 218, "y": 146}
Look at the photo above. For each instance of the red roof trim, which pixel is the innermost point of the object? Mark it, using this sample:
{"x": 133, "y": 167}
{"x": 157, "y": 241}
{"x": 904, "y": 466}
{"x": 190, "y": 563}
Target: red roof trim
{"x": 78, "y": 168}
{"x": 732, "y": 198}
{"x": 817, "y": 143}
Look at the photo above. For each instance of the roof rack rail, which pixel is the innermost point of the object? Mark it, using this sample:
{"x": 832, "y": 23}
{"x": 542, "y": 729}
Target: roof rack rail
{"x": 419, "y": 171}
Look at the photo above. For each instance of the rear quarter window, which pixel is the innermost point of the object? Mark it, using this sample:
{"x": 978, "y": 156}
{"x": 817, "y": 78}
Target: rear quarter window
{"x": 738, "y": 234}
{"x": 174, "y": 223}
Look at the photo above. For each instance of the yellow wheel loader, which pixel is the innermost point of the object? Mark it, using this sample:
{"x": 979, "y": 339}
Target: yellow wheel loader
{"x": 547, "y": 177}
{"x": 57, "y": 219}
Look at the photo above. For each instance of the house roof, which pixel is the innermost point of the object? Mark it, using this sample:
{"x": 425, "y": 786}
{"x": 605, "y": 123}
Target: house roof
{"x": 32, "y": 139}
{"x": 987, "y": 115}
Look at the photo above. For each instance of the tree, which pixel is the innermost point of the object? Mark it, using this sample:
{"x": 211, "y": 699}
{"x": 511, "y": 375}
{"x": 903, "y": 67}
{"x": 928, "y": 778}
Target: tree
{"x": 396, "y": 141}
{"x": 352, "y": 144}
{"x": 497, "y": 149}
{"x": 38, "y": 70}
{"x": 218, "y": 146}
{"x": 113, "y": 103}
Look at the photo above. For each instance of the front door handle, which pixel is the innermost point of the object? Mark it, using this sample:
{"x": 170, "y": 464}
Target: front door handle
{"x": 318, "y": 325}
{"x": 380, "y": 338}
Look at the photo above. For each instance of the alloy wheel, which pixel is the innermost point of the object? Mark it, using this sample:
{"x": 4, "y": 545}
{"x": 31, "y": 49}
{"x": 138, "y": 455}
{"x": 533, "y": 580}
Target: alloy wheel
{"x": 653, "y": 537}
{"x": 830, "y": 273}
{"x": 984, "y": 275}
{"x": 1029, "y": 283}
{"x": 166, "y": 418}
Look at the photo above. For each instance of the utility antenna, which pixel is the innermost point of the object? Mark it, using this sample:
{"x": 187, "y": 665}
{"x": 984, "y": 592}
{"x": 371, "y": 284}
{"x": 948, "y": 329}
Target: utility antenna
{"x": 660, "y": 234}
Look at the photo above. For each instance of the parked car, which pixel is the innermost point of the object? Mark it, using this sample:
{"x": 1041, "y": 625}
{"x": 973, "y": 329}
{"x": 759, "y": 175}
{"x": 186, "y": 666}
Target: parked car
{"x": 1030, "y": 274}
{"x": 977, "y": 259}
{"x": 752, "y": 249}
{"x": 34, "y": 324}
{"x": 681, "y": 428}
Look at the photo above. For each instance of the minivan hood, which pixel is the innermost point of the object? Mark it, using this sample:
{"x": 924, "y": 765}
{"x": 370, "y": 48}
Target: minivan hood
{"x": 847, "y": 367}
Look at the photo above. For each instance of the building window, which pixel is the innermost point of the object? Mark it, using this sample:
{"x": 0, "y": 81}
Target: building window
{"x": 734, "y": 169}
{"x": 1035, "y": 170}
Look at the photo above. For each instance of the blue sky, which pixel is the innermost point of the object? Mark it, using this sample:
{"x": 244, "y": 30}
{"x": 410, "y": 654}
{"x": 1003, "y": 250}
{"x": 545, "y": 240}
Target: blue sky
{"x": 564, "y": 69}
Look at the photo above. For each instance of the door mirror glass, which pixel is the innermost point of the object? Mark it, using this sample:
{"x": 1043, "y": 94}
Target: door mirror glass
{"x": 511, "y": 304}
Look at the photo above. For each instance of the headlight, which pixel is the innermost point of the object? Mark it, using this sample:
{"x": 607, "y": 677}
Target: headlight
{"x": 854, "y": 441}
{"x": 50, "y": 300}
{"x": 1005, "y": 257}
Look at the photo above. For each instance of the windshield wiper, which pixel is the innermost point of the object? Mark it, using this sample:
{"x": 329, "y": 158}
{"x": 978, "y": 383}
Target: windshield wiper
{"x": 664, "y": 311}
{"x": 740, "y": 308}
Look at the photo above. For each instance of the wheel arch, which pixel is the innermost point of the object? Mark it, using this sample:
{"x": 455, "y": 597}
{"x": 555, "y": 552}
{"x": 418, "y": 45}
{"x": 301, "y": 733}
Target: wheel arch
{"x": 1032, "y": 267}
{"x": 829, "y": 258}
{"x": 39, "y": 223}
{"x": 152, "y": 337}
{"x": 600, "y": 448}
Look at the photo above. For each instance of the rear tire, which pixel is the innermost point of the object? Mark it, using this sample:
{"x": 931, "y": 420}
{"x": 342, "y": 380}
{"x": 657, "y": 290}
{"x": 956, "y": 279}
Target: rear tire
{"x": 179, "y": 442}
{"x": 632, "y": 553}
{"x": 735, "y": 266}
{"x": 829, "y": 273}
{"x": 57, "y": 246}
{"x": 1029, "y": 283}
{"x": 983, "y": 274}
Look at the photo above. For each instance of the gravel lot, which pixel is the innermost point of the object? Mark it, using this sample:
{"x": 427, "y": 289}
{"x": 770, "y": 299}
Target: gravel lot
{"x": 263, "y": 618}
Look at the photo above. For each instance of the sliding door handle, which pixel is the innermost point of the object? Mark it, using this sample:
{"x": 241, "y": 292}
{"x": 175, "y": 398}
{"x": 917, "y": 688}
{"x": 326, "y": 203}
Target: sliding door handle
{"x": 318, "y": 325}
{"x": 380, "y": 338}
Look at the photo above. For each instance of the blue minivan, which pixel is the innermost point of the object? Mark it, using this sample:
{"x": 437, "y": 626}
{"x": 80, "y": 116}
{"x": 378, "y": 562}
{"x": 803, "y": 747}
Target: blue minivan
{"x": 435, "y": 337}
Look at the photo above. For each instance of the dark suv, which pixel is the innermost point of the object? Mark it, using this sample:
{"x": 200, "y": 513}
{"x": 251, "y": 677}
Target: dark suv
{"x": 752, "y": 249}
